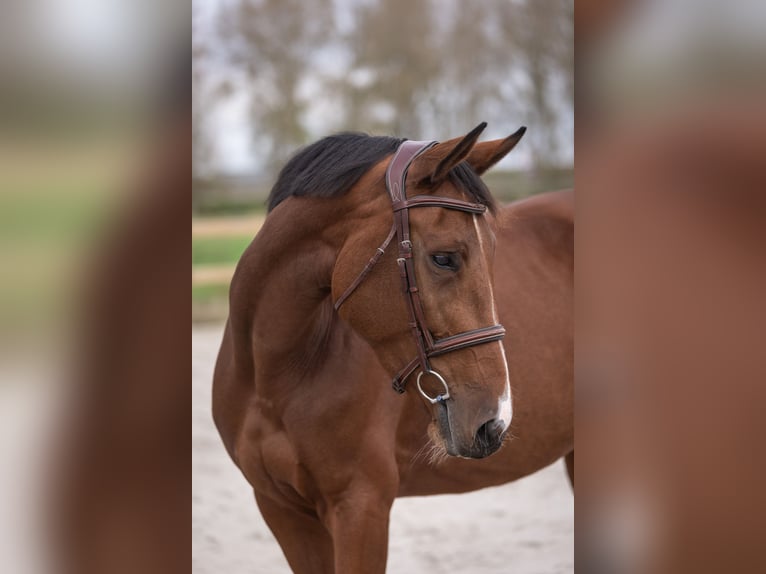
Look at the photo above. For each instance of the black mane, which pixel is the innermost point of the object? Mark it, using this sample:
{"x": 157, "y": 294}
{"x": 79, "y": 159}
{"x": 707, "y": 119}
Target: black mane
{"x": 333, "y": 165}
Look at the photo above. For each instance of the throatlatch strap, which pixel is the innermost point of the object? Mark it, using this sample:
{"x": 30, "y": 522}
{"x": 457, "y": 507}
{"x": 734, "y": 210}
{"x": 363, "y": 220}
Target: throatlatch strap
{"x": 367, "y": 268}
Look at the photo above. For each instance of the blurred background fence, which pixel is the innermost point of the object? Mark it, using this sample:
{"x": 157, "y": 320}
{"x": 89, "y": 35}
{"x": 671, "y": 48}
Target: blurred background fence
{"x": 270, "y": 76}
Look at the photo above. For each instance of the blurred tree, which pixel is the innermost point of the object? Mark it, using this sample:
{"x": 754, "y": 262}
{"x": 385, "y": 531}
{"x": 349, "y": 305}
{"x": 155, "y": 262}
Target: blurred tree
{"x": 394, "y": 61}
{"x": 273, "y": 42}
{"x": 475, "y": 81}
{"x": 203, "y": 103}
{"x": 415, "y": 68}
{"x": 542, "y": 35}
{"x": 201, "y": 141}
{"x": 208, "y": 90}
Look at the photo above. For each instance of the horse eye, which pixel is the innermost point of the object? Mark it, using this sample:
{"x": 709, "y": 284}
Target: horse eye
{"x": 444, "y": 261}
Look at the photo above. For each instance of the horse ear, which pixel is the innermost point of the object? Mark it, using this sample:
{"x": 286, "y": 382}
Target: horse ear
{"x": 435, "y": 163}
{"x": 486, "y": 154}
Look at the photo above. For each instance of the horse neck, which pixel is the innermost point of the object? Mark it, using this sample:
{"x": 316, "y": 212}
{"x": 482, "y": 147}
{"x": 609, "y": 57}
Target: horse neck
{"x": 280, "y": 295}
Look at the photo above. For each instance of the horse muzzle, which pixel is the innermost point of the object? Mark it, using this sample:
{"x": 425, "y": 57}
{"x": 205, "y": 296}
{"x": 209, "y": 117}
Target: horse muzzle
{"x": 482, "y": 442}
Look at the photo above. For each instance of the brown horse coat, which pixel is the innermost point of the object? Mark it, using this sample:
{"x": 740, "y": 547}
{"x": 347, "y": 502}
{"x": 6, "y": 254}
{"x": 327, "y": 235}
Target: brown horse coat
{"x": 304, "y": 405}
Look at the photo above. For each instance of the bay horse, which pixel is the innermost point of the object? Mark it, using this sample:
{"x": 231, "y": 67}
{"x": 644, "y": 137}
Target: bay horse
{"x": 331, "y": 301}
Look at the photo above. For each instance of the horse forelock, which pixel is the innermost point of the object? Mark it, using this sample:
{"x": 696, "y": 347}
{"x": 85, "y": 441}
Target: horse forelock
{"x": 467, "y": 180}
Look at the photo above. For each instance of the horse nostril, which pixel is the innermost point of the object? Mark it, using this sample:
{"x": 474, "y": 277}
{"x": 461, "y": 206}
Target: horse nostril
{"x": 489, "y": 432}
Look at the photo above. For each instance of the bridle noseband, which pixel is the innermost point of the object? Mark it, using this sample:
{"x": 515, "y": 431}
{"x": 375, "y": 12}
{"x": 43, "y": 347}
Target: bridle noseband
{"x": 396, "y": 176}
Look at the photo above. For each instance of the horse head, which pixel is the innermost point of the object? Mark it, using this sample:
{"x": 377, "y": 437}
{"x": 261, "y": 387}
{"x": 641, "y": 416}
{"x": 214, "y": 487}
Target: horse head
{"x": 427, "y": 291}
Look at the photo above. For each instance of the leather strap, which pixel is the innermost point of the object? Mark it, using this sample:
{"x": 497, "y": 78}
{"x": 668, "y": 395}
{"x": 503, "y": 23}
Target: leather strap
{"x": 396, "y": 173}
{"x": 447, "y": 345}
{"x": 367, "y": 268}
{"x": 446, "y": 202}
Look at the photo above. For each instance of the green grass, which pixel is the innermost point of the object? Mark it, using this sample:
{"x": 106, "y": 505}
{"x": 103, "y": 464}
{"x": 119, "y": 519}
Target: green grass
{"x": 210, "y": 302}
{"x": 217, "y": 206}
{"x": 210, "y": 293}
{"x": 218, "y": 250}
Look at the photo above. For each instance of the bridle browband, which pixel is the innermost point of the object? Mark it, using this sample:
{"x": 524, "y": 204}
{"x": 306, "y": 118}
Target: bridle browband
{"x": 396, "y": 176}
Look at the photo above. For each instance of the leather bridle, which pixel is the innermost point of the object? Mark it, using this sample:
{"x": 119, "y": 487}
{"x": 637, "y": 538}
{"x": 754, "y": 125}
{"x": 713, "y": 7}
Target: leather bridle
{"x": 396, "y": 176}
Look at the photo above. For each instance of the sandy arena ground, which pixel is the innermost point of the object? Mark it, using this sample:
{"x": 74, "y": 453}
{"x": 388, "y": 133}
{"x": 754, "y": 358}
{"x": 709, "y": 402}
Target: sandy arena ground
{"x": 525, "y": 527}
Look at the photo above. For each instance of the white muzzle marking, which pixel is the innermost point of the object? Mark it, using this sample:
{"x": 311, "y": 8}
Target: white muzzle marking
{"x": 504, "y": 406}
